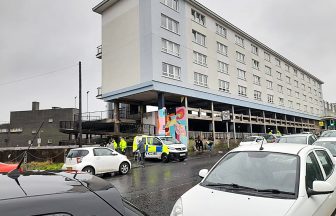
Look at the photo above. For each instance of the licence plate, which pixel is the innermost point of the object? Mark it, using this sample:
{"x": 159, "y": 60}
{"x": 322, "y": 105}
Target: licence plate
{"x": 183, "y": 154}
{"x": 69, "y": 168}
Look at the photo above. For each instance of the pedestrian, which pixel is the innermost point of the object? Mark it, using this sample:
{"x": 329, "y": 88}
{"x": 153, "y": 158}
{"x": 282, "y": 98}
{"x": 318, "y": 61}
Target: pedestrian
{"x": 142, "y": 151}
{"x": 110, "y": 143}
{"x": 199, "y": 143}
{"x": 123, "y": 146}
{"x": 210, "y": 143}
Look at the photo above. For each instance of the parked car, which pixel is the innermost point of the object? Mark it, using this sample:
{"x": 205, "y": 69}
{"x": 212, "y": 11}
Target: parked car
{"x": 4, "y": 168}
{"x": 277, "y": 179}
{"x": 271, "y": 138}
{"x": 253, "y": 140}
{"x": 308, "y": 139}
{"x": 96, "y": 160}
{"x": 329, "y": 143}
{"x": 329, "y": 133}
{"x": 61, "y": 194}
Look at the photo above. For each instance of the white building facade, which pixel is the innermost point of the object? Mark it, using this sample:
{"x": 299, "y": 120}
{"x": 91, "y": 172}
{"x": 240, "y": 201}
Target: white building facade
{"x": 179, "y": 48}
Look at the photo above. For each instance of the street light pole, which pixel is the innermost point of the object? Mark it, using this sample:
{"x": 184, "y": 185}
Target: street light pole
{"x": 87, "y": 103}
{"x": 75, "y": 102}
{"x": 80, "y": 106}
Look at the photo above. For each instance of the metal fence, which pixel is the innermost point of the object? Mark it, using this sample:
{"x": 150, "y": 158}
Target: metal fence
{"x": 220, "y": 135}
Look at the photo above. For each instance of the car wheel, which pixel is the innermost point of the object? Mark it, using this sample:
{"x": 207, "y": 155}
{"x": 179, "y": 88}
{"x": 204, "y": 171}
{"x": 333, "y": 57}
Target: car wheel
{"x": 89, "y": 170}
{"x": 124, "y": 168}
{"x": 164, "y": 158}
{"x": 181, "y": 159}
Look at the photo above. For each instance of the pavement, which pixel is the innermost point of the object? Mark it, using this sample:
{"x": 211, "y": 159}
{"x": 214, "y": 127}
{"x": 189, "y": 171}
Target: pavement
{"x": 156, "y": 187}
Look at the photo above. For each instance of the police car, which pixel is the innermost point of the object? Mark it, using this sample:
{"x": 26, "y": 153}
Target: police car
{"x": 165, "y": 148}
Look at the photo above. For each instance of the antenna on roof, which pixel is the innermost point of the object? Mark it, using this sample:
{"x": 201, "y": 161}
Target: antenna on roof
{"x": 261, "y": 147}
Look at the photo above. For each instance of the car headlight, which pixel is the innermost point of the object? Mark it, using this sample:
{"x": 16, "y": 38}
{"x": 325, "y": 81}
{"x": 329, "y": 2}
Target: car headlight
{"x": 177, "y": 209}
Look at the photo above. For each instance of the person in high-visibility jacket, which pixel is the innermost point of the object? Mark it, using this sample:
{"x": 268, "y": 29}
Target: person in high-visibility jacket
{"x": 123, "y": 145}
{"x": 115, "y": 145}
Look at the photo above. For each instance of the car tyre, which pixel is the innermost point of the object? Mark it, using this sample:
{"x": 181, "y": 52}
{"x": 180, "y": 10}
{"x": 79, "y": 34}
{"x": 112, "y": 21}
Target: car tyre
{"x": 181, "y": 159}
{"x": 124, "y": 168}
{"x": 164, "y": 158}
{"x": 89, "y": 170}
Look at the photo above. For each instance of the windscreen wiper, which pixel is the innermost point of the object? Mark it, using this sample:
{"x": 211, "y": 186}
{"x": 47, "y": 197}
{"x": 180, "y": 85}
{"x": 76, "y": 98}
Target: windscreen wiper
{"x": 275, "y": 191}
{"x": 230, "y": 186}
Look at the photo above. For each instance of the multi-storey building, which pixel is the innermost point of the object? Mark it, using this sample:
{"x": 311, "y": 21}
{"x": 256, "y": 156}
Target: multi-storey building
{"x": 155, "y": 52}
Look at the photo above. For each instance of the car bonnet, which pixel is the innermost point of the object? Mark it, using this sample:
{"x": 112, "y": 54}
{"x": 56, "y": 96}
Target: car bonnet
{"x": 219, "y": 202}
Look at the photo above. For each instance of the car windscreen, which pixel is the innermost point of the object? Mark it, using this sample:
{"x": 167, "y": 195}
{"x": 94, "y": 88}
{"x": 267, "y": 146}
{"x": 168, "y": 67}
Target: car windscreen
{"x": 329, "y": 134}
{"x": 249, "y": 139}
{"x": 331, "y": 145}
{"x": 293, "y": 139}
{"x": 260, "y": 171}
{"x": 169, "y": 140}
{"x": 77, "y": 153}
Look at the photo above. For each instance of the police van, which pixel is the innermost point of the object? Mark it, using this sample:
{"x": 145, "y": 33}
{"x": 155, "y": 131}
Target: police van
{"x": 165, "y": 148}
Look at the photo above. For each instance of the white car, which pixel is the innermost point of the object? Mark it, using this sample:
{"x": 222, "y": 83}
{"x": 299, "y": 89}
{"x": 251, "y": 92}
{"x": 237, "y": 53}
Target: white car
{"x": 329, "y": 143}
{"x": 253, "y": 140}
{"x": 269, "y": 180}
{"x": 308, "y": 139}
{"x": 96, "y": 160}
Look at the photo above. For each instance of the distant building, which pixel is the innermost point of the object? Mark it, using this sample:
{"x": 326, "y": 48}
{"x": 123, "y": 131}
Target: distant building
{"x": 24, "y": 125}
{"x": 329, "y": 116}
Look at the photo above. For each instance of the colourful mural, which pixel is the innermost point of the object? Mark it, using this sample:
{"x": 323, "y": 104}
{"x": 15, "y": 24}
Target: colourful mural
{"x": 176, "y": 125}
{"x": 161, "y": 122}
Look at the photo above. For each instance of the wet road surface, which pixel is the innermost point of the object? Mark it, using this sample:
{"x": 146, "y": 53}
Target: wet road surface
{"x": 156, "y": 187}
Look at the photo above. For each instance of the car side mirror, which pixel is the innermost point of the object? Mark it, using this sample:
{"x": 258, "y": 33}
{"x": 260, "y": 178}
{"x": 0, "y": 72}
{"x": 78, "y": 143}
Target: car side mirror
{"x": 203, "y": 172}
{"x": 114, "y": 154}
{"x": 320, "y": 188}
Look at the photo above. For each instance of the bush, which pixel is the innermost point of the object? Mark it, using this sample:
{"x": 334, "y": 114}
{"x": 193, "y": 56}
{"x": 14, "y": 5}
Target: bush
{"x": 48, "y": 166}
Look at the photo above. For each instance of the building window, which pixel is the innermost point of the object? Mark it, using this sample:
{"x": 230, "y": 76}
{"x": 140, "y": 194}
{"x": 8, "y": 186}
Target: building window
{"x": 278, "y": 62}
{"x": 304, "y": 97}
{"x": 305, "y": 108}
{"x": 223, "y": 86}
{"x": 198, "y": 38}
{"x": 241, "y": 90}
{"x": 303, "y": 86}
{"x": 222, "y": 67}
{"x": 240, "y": 57}
{"x": 289, "y": 91}
{"x": 298, "y": 106}
{"x": 221, "y": 30}
{"x": 308, "y": 79}
{"x": 173, "y": 4}
{"x": 171, "y": 71}
{"x": 257, "y": 95}
{"x": 295, "y": 72}
{"x": 296, "y": 83}
{"x": 50, "y": 141}
{"x": 200, "y": 59}
{"x": 288, "y": 79}
{"x": 255, "y": 64}
{"x": 309, "y": 89}
{"x": 241, "y": 74}
{"x": 302, "y": 76}
{"x": 256, "y": 79}
{"x": 270, "y": 99}
{"x": 239, "y": 41}
{"x": 200, "y": 79}
{"x": 297, "y": 94}
{"x": 311, "y": 99}
{"x": 315, "y": 92}
{"x": 222, "y": 49}
{"x": 170, "y": 47}
{"x": 279, "y": 75}
{"x": 169, "y": 24}
{"x": 50, "y": 120}
{"x": 280, "y": 88}
{"x": 290, "y": 104}
{"x": 267, "y": 56}
{"x": 312, "y": 109}
{"x": 286, "y": 67}
{"x": 198, "y": 17}
{"x": 255, "y": 49}
{"x": 268, "y": 70}
{"x": 281, "y": 101}
{"x": 269, "y": 84}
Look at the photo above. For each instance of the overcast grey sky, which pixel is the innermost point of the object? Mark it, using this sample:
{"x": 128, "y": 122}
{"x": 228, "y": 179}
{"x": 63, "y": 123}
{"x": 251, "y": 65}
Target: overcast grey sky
{"x": 49, "y": 36}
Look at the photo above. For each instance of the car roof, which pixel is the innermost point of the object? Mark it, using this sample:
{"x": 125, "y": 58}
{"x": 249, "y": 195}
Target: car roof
{"x": 45, "y": 183}
{"x": 296, "y": 135}
{"x": 326, "y": 139}
{"x": 89, "y": 148}
{"x": 287, "y": 148}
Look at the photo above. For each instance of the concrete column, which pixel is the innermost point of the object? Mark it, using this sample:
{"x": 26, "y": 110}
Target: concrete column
{"x": 161, "y": 100}
{"x": 295, "y": 124}
{"x": 187, "y": 117}
{"x": 302, "y": 125}
{"x": 234, "y": 124}
{"x": 251, "y": 129}
{"x": 276, "y": 123}
{"x": 116, "y": 116}
{"x": 141, "y": 110}
{"x": 286, "y": 124}
{"x": 213, "y": 123}
{"x": 265, "y": 129}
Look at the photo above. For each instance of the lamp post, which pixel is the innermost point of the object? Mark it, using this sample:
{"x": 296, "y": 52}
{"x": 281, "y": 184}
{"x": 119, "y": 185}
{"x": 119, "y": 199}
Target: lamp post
{"x": 75, "y": 102}
{"x": 87, "y": 103}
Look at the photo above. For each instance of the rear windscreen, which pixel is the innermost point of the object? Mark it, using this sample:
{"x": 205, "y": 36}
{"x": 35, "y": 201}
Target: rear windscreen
{"x": 77, "y": 153}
